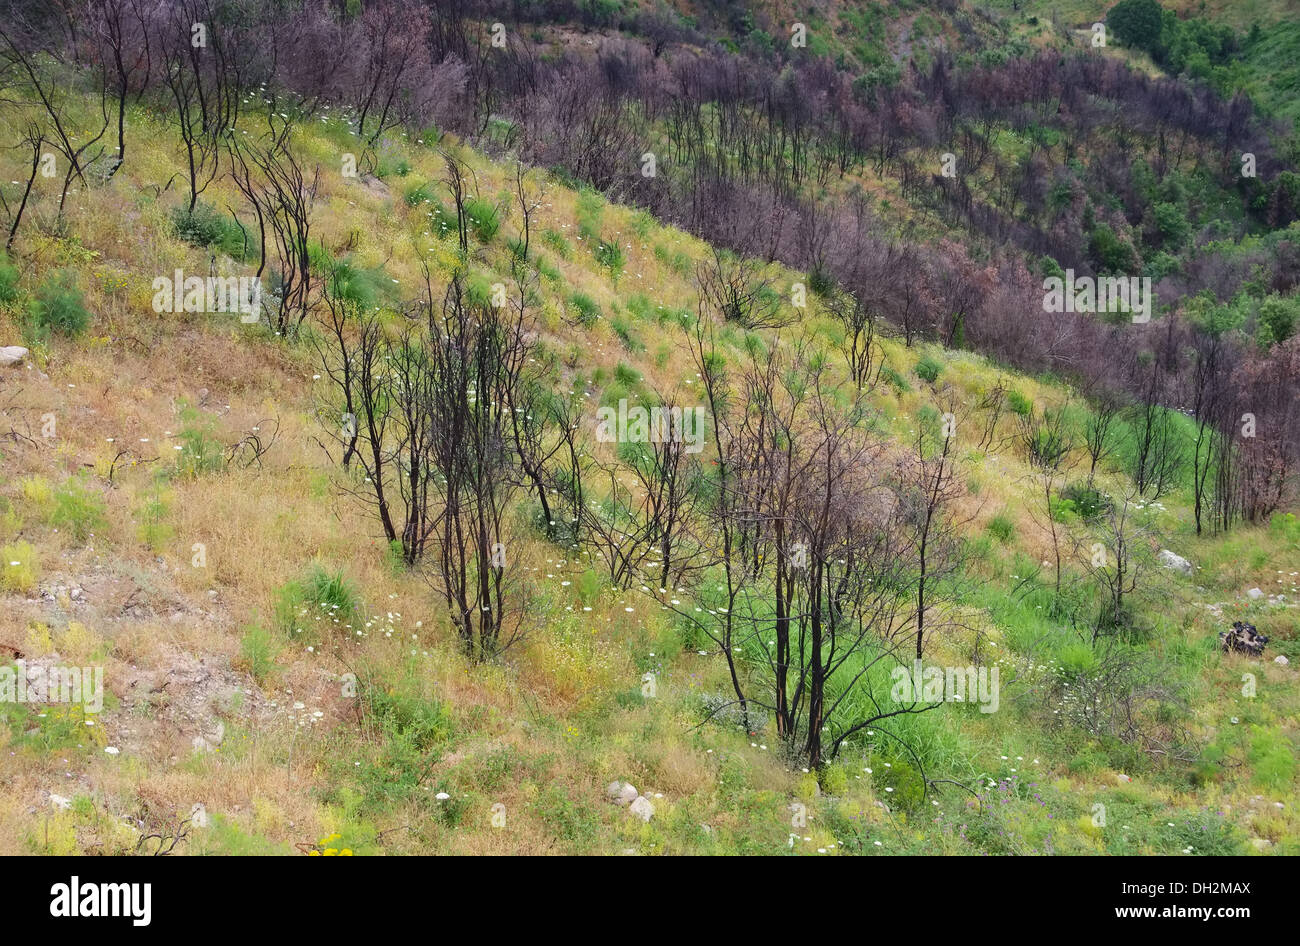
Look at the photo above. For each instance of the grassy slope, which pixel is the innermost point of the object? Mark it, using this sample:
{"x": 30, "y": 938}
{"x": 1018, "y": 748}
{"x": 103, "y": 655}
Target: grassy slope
{"x": 543, "y": 733}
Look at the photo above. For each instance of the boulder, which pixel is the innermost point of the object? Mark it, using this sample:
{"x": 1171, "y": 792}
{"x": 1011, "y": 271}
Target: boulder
{"x": 621, "y": 793}
{"x": 1168, "y": 559}
{"x": 1254, "y": 594}
{"x": 642, "y": 808}
{"x": 1243, "y": 639}
{"x": 12, "y": 355}
{"x": 1281, "y": 659}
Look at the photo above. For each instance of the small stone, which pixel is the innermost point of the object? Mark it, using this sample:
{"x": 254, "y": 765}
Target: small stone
{"x": 1281, "y": 659}
{"x": 642, "y": 808}
{"x": 1254, "y": 594}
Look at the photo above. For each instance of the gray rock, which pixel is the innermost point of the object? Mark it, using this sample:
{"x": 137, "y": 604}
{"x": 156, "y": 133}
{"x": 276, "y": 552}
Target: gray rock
{"x": 642, "y": 808}
{"x": 1169, "y": 560}
{"x": 209, "y": 741}
{"x": 621, "y": 793}
{"x": 12, "y": 355}
{"x": 1281, "y": 659}
{"x": 1254, "y": 594}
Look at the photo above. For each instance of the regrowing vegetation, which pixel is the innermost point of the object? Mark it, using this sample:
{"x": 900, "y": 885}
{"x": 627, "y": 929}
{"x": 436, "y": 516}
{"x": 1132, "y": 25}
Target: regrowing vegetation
{"x": 475, "y": 427}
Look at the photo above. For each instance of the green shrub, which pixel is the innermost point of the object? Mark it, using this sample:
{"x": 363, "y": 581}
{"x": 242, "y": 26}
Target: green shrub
{"x": 1002, "y": 528}
{"x": 927, "y": 369}
{"x": 319, "y": 598}
{"x": 151, "y": 526}
{"x": 411, "y": 727}
{"x": 484, "y": 219}
{"x": 626, "y": 375}
{"x": 352, "y": 283}
{"x": 8, "y": 280}
{"x": 1074, "y": 661}
{"x": 18, "y": 568}
{"x": 208, "y": 227}
{"x": 418, "y": 194}
{"x": 893, "y": 378}
{"x": 588, "y": 309}
{"x": 624, "y": 331}
{"x": 1088, "y": 502}
{"x": 556, "y": 241}
{"x": 821, "y": 282}
{"x": 1045, "y": 446}
{"x": 1272, "y": 758}
{"x": 1279, "y": 315}
{"x": 78, "y": 510}
{"x": 257, "y": 651}
{"x": 1019, "y": 404}
{"x": 201, "y": 451}
{"x": 610, "y": 255}
{"x": 1109, "y": 252}
{"x": 59, "y": 306}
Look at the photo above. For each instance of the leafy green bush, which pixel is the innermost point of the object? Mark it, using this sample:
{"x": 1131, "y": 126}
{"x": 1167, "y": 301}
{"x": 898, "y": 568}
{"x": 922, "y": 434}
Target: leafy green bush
{"x": 1087, "y": 501}
{"x": 484, "y": 219}
{"x": 78, "y": 510}
{"x": 588, "y": 309}
{"x": 821, "y": 282}
{"x": 626, "y": 375}
{"x": 59, "y": 306}
{"x": 1109, "y": 253}
{"x": 208, "y": 227}
{"x": 927, "y": 369}
{"x": 624, "y": 331}
{"x": 1279, "y": 315}
{"x": 1136, "y": 23}
{"x": 1001, "y": 528}
{"x": 366, "y": 287}
{"x": 556, "y": 241}
{"x": 8, "y": 280}
{"x": 610, "y": 255}
{"x": 201, "y": 451}
{"x": 18, "y": 568}
{"x": 1019, "y": 404}
{"x": 257, "y": 651}
{"x": 411, "y": 727}
{"x": 893, "y": 378}
{"x": 1074, "y": 661}
{"x": 319, "y": 597}
{"x": 418, "y": 194}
